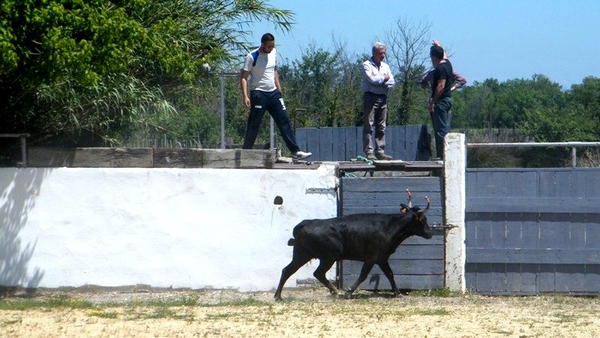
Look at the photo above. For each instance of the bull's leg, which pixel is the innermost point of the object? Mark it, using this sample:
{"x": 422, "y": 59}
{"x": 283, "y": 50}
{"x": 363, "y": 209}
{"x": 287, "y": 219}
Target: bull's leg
{"x": 289, "y": 270}
{"x": 319, "y": 273}
{"x": 364, "y": 271}
{"x": 387, "y": 271}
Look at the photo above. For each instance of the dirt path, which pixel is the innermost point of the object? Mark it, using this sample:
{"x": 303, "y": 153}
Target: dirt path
{"x": 303, "y": 313}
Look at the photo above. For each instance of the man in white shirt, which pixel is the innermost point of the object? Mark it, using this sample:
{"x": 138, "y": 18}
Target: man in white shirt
{"x": 376, "y": 81}
{"x": 259, "y": 74}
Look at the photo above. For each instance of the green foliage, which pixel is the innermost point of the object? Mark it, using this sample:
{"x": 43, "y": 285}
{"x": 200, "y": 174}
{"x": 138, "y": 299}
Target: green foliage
{"x": 53, "y": 302}
{"x": 117, "y": 69}
{"x": 113, "y": 108}
{"x": 504, "y": 105}
{"x": 323, "y": 86}
{"x": 407, "y": 54}
{"x": 515, "y": 97}
{"x": 584, "y": 99}
{"x": 473, "y": 106}
{"x": 444, "y": 292}
{"x": 559, "y": 125}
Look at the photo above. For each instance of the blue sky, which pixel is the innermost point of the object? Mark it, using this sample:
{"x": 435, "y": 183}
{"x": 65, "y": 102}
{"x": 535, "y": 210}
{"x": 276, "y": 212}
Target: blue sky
{"x": 501, "y": 39}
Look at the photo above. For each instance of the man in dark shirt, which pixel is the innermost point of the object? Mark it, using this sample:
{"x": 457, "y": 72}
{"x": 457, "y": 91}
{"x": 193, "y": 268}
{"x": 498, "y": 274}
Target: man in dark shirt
{"x": 440, "y": 102}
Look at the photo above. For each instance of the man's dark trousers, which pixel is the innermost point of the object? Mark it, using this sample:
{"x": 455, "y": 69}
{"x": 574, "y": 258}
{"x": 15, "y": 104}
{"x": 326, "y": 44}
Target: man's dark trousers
{"x": 273, "y": 102}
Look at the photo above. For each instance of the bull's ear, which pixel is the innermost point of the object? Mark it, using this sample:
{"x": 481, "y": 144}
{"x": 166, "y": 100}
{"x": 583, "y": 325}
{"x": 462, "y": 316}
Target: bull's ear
{"x": 403, "y": 208}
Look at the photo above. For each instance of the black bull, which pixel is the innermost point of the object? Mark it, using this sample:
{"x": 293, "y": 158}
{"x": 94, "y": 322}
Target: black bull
{"x": 370, "y": 238}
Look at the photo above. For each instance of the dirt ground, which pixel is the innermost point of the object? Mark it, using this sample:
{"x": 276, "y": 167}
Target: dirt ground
{"x": 306, "y": 312}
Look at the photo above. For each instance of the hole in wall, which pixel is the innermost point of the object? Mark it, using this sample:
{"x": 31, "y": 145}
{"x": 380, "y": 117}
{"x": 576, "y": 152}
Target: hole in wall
{"x": 278, "y": 200}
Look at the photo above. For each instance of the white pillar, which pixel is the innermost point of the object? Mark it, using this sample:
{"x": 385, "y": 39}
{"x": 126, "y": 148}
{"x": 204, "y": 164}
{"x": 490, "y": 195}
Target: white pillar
{"x": 455, "y": 162}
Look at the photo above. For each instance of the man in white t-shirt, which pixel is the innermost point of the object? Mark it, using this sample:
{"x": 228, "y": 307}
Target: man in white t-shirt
{"x": 259, "y": 74}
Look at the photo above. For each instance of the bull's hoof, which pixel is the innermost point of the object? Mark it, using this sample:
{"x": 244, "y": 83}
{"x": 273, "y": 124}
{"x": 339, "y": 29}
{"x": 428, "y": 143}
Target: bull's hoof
{"x": 348, "y": 295}
{"x": 333, "y": 291}
{"x": 278, "y": 298}
{"x": 400, "y": 294}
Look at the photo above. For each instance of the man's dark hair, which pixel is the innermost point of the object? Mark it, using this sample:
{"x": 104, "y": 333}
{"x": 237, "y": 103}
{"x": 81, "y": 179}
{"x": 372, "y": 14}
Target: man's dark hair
{"x": 437, "y": 52}
{"x": 267, "y": 37}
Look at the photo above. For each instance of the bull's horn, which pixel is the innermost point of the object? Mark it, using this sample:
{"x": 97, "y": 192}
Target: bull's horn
{"x": 427, "y": 207}
{"x": 409, "y": 198}
{"x": 428, "y": 203}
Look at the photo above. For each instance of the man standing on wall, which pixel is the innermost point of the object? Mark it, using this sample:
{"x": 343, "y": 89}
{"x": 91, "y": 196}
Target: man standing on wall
{"x": 440, "y": 102}
{"x": 259, "y": 73}
{"x": 376, "y": 81}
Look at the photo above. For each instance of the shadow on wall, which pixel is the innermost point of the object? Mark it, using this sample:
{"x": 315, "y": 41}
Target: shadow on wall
{"x": 19, "y": 189}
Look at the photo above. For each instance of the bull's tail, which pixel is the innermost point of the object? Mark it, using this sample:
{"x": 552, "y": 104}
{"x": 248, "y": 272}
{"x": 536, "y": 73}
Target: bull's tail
{"x": 291, "y": 242}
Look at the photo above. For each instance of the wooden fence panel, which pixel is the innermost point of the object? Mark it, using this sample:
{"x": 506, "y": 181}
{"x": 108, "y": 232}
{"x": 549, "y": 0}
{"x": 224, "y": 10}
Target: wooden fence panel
{"x": 345, "y": 143}
{"x": 417, "y": 263}
{"x": 531, "y": 231}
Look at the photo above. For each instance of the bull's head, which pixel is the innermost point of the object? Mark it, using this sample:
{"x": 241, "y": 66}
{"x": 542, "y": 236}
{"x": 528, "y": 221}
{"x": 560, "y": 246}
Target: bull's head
{"x": 419, "y": 220}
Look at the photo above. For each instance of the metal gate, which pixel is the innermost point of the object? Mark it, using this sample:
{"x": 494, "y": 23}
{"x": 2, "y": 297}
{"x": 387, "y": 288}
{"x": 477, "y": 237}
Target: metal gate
{"x": 417, "y": 263}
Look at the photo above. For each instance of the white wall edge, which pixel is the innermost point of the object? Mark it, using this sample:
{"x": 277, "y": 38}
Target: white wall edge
{"x": 455, "y": 161}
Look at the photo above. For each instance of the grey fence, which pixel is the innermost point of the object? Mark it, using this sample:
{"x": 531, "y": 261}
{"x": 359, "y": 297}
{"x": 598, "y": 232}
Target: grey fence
{"x": 532, "y": 231}
{"x": 417, "y": 263}
{"x": 407, "y": 143}
{"x": 528, "y": 231}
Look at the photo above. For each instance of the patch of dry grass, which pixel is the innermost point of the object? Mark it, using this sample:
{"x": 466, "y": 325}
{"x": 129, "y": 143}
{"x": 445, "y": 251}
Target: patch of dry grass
{"x": 303, "y": 313}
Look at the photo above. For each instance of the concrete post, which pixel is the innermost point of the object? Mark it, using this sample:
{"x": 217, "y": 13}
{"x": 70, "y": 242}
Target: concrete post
{"x": 455, "y": 161}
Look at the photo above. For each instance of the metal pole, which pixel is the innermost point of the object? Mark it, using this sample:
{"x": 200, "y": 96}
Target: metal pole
{"x": 535, "y": 144}
{"x": 272, "y": 131}
{"x": 24, "y": 149}
{"x": 222, "y": 78}
{"x": 573, "y": 146}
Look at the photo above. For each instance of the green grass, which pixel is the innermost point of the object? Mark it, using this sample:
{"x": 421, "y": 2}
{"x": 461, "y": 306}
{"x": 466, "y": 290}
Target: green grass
{"x": 445, "y": 292}
{"x": 237, "y": 302}
{"x": 101, "y": 313}
{"x": 187, "y": 300}
{"x": 182, "y": 307}
{"x": 430, "y": 312}
{"x": 54, "y": 302}
{"x": 178, "y": 308}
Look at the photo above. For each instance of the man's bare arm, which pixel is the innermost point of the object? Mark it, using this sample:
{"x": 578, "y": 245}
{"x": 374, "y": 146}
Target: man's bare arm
{"x": 244, "y": 87}
{"x": 438, "y": 92}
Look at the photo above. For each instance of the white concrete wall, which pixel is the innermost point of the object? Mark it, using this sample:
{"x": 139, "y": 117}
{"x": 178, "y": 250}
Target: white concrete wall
{"x": 197, "y": 228}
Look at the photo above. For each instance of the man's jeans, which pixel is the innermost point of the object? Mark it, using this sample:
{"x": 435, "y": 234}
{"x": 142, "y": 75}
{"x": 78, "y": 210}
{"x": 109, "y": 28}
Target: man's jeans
{"x": 440, "y": 117}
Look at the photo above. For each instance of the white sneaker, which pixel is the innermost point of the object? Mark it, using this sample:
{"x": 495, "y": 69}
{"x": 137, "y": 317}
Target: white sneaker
{"x": 300, "y": 155}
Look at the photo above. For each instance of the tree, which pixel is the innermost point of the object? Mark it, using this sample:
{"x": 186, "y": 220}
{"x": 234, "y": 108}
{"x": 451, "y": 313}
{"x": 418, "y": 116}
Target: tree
{"x": 324, "y": 86}
{"x": 474, "y": 106}
{"x": 585, "y": 98}
{"x": 515, "y": 97}
{"x": 115, "y": 68}
{"x": 407, "y": 55}
{"x": 45, "y": 45}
